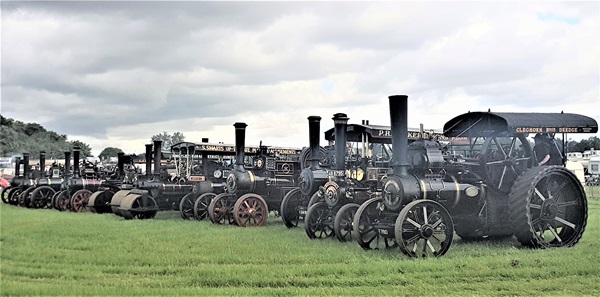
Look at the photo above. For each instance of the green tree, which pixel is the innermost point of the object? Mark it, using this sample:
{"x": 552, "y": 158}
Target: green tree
{"x": 17, "y": 137}
{"x": 584, "y": 144}
{"x": 86, "y": 150}
{"x": 177, "y": 138}
{"x": 168, "y": 140}
{"x": 109, "y": 152}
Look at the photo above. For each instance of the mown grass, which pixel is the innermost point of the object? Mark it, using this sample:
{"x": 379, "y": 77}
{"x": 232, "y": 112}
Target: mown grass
{"x": 46, "y": 252}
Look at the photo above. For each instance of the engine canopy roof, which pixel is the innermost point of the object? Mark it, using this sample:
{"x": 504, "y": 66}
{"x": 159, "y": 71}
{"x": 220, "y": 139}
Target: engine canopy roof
{"x": 473, "y": 124}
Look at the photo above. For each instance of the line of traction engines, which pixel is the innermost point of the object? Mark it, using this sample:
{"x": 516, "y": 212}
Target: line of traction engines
{"x": 412, "y": 197}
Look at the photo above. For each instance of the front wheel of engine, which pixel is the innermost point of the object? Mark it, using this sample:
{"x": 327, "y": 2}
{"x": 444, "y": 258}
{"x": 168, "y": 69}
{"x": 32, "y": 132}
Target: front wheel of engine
{"x": 79, "y": 200}
{"x": 342, "y": 224}
{"x": 115, "y": 201}
{"x": 548, "y": 207}
{"x": 99, "y": 201}
{"x": 424, "y": 229}
{"x": 372, "y": 227}
{"x": 250, "y": 210}
{"x": 318, "y": 223}
{"x": 132, "y": 207}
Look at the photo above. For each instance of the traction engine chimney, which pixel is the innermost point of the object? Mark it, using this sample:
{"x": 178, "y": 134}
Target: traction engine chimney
{"x": 42, "y": 164}
{"x": 314, "y": 127}
{"x": 340, "y": 121}
{"x": 399, "y": 126}
{"x": 120, "y": 163}
{"x": 240, "y": 143}
{"x": 157, "y": 149}
{"x": 67, "y": 164}
{"x": 148, "y": 159}
{"x": 76, "y": 153}
{"x": 314, "y": 176}
{"x": 26, "y": 165}
{"x": 17, "y": 166}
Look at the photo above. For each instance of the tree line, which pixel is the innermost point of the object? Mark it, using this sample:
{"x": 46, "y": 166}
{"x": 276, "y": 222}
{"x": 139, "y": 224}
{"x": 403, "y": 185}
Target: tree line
{"x": 18, "y": 137}
{"x": 583, "y": 145}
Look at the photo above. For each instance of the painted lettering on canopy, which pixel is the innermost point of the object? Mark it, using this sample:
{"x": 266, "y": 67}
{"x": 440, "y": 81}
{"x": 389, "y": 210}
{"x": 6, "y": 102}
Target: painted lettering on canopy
{"x": 549, "y": 130}
{"x": 413, "y": 135}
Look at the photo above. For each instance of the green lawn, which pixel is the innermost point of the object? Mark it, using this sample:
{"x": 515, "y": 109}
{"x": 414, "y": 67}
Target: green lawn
{"x": 46, "y": 252}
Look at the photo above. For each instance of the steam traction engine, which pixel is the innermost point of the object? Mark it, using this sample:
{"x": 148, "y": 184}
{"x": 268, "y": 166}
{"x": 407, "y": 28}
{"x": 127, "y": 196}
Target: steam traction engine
{"x": 367, "y": 152}
{"x": 78, "y": 187}
{"x": 121, "y": 178}
{"x": 250, "y": 192}
{"x": 47, "y": 186}
{"x": 151, "y": 192}
{"x": 332, "y": 207}
{"x": 295, "y": 203}
{"x": 11, "y": 194}
{"x": 39, "y": 194}
{"x": 206, "y": 166}
{"x": 29, "y": 183}
{"x": 492, "y": 188}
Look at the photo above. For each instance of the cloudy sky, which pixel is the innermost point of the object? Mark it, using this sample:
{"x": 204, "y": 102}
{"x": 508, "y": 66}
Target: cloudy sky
{"x": 116, "y": 73}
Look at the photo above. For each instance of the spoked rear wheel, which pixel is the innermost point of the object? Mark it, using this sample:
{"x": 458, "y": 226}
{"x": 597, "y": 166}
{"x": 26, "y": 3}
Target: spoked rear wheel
{"x": 5, "y": 195}
{"x": 13, "y": 195}
{"x": 186, "y": 206}
{"x": 42, "y": 197}
{"x": 220, "y": 209}
{"x": 548, "y": 208}
{"x": 423, "y": 229}
{"x": 62, "y": 200}
{"x": 25, "y": 198}
{"x": 293, "y": 208}
{"x": 201, "y": 205}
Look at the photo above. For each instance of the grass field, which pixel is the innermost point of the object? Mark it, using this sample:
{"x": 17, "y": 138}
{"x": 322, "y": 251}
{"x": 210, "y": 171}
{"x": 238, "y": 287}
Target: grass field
{"x": 46, "y": 252}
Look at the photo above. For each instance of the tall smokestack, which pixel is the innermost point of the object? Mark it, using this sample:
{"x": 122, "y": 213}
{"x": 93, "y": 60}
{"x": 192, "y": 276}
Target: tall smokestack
{"x": 340, "y": 121}
{"x": 314, "y": 130}
{"x": 120, "y": 162}
{"x": 399, "y": 126}
{"x": 26, "y": 165}
{"x": 17, "y": 166}
{"x": 148, "y": 159}
{"x": 76, "y": 161}
{"x": 240, "y": 143}
{"x": 67, "y": 164}
{"x": 43, "y": 163}
{"x": 157, "y": 149}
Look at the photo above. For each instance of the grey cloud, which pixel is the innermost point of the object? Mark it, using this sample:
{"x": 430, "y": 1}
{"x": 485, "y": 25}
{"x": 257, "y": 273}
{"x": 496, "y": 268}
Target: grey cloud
{"x": 90, "y": 68}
